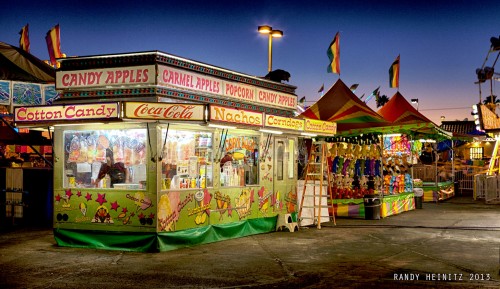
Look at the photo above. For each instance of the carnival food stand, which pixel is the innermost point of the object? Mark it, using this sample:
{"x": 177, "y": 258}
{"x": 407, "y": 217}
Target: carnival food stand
{"x": 163, "y": 123}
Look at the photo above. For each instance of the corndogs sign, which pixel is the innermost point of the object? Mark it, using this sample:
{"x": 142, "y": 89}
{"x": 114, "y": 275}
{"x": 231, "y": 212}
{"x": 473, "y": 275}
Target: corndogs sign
{"x": 284, "y": 122}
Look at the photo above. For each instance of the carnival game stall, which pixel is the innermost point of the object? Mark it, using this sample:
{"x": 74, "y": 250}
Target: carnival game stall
{"x": 155, "y": 152}
{"x": 421, "y": 138}
{"x": 398, "y": 182}
{"x": 25, "y": 154}
{"x": 356, "y": 156}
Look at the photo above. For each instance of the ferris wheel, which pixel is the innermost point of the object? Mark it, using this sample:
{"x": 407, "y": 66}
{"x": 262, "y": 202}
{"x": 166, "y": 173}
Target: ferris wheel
{"x": 488, "y": 72}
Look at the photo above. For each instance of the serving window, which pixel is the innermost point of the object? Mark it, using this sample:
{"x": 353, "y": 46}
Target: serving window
{"x": 113, "y": 158}
{"x": 239, "y": 161}
{"x": 186, "y": 159}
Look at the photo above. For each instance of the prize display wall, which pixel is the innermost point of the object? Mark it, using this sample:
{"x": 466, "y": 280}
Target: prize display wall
{"x": 358, "y": 170}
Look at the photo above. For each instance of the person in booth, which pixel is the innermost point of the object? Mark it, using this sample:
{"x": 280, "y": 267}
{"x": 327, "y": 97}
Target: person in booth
{"x": 228, "y": 157}
{"x": 117, "y": 172}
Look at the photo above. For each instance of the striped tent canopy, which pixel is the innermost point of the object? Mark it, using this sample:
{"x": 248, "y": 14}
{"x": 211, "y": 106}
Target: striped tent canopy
{"x": 405, "y": 118}
{"x": 398, "y": 110}
{"x": 19, "y": 65}
{"x": 339, "y": 104}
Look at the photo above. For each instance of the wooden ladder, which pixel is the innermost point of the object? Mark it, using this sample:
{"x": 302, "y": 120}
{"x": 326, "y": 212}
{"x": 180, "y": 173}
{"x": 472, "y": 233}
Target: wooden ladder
{"x": 317, "y": 175}
{"x": 495, "y": 160}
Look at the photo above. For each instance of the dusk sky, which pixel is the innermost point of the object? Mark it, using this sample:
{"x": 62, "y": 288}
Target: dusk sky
{"x": 441, "y": 43}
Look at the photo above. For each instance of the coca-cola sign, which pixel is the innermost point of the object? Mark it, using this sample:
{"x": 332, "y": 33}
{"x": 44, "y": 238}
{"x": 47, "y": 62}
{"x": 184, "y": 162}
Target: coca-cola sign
{"x": 164, "y": 111}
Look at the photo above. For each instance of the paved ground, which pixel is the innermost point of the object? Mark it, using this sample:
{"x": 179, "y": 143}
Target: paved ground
{"x": 455, "y": 244}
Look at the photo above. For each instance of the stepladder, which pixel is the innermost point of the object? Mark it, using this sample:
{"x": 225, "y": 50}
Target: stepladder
{"x": 494, "y": 167}
{"x": 316, "y": 197}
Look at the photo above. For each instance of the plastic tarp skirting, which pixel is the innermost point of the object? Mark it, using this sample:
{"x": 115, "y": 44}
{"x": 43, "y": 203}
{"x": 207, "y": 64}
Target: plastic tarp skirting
{"x": 162, "y": 241}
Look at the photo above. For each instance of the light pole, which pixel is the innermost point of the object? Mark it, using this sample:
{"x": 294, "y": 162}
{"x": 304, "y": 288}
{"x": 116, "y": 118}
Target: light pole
{"x": 415, "y": 101}
{"x": 266, "y": 29}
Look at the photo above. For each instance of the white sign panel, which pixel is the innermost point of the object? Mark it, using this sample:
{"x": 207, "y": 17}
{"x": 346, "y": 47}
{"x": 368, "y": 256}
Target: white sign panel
{"x": 172, "y": 77}
{"x": 106, "y": 77}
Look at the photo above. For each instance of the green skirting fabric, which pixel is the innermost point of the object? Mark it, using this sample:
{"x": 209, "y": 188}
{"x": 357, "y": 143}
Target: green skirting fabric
{"x": 108, "y": 240}
{"x": 162, "y": 241}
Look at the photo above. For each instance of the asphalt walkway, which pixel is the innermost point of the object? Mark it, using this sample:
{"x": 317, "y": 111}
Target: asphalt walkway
{"x": 454, "y": 244}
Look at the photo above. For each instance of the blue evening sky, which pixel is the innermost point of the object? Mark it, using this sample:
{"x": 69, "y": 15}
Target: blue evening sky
{"x": 441, "y": 42}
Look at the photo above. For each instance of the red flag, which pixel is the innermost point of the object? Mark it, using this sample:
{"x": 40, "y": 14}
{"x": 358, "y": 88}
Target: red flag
{"x": 54, "y": 44}
{"x": 24, "y": 40}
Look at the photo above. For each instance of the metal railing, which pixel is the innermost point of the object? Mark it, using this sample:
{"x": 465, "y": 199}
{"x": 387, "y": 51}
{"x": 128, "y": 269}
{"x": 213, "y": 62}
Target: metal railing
{"x": 487, "y": 188}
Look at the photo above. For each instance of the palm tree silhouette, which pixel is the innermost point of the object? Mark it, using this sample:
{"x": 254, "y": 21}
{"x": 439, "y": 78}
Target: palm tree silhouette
{"x": 381, "y": 100}
{"x": 491, "y": 99}
{"x": 491, "y": 102}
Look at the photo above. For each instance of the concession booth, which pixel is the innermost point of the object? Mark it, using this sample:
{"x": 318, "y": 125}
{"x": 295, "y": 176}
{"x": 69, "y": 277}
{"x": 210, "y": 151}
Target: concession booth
{"x": 154, "y": 152}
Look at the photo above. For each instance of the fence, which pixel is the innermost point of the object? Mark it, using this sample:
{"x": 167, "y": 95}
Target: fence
{"x": 487, "y": 188}
{"x": 464, "y": 175}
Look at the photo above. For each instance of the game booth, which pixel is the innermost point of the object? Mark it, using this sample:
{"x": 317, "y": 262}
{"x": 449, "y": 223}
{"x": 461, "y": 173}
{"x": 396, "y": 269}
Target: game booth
{"x": 373, "y": 153}
{"x": 153, "y": 152}
{"x": 25, "y": 155}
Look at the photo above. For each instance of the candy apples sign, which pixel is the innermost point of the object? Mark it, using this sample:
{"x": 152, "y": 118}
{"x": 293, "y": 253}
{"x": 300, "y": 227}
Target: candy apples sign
{"x": 106, "y": 77}
{"x": 164, "y": 111}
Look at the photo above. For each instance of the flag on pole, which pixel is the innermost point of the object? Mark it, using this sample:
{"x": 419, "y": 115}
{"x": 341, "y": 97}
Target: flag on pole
{"x": 24, "y": 40}
{"x": 374, "y": 93}
{"x": 53, "y": 40}
{"x": 333, "y": 53}
{"x": 321, "y": 88}
{"x": 394, "y": 74}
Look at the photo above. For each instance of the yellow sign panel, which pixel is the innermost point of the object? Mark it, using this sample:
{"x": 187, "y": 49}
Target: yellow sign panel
{"x": 284, "y": 122}
{"x": 321, "y": 127}
{"x": 236, "y": 116}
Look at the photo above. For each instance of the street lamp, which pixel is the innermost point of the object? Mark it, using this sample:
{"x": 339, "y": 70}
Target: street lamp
{"x": 266, "y": 29}
{"x": 415, "y": 101}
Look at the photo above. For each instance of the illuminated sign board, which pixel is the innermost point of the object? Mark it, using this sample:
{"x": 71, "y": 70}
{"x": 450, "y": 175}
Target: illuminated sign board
{"x": 489, "y": 119}
{"x": 236, "y": 116}
{"x": 320, "y": 126}
{"x": 284, "y": 122}
{"x": 172, "y": 77}
{"x": 164, "y": 111}
{"x": 66, "y": 112}
{"x": 117, "y": 76}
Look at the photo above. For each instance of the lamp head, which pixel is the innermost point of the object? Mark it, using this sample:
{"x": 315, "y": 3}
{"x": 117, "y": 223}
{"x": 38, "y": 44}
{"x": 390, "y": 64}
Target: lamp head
{"x": 277, "y": 33}
{"x": 265, "y": 29}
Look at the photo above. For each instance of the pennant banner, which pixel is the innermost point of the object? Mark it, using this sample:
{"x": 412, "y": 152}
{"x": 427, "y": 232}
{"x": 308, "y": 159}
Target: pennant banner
{"x": 24, "y": 40}
{"x": 394, "y": 74}
{"x": 374, "y": 93}
{"x": 54, "y": 44}
{"x": 333, "y": 53}
{"x": 321, "y": 88}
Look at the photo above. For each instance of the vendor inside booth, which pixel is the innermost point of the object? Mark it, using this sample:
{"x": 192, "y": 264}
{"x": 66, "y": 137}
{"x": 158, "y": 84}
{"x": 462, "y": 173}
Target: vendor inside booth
{"x": 140, "y": 146}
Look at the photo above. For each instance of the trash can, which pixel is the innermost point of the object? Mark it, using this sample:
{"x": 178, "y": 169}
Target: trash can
{"x": 419, "y": 196}
{"x": 372, "y": 207}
